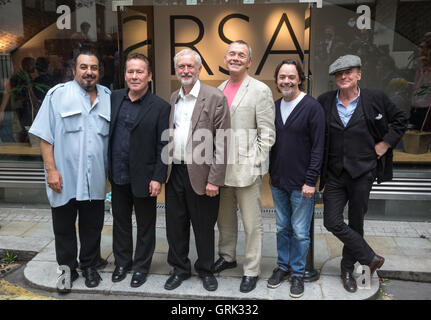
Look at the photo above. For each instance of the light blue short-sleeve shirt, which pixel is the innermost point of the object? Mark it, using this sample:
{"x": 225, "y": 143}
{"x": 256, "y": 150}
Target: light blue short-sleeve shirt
{"x": 79, "y": 134}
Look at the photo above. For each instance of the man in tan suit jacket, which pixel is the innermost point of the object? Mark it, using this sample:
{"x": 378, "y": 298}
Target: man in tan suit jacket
{"x": 198, "y": 155}
{"x": 253, "y": 133}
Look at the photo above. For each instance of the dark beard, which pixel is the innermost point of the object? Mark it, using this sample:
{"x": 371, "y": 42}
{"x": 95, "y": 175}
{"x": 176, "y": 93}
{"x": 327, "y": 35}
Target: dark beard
{"x": 87, "y": 86}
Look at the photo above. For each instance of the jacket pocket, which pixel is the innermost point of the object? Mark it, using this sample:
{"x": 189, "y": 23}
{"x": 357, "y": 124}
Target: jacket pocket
{"x": 72, "y": 121}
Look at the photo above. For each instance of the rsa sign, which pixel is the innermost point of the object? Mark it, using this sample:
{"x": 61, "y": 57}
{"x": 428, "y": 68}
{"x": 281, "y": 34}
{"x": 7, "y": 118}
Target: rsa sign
{"x": 192, "y": 44}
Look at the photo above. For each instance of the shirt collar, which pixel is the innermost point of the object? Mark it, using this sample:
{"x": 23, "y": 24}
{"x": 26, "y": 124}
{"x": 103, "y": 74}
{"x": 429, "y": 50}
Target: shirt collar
{"x": 126, "y": 96}
{"x": 354, "y": 101}
{"x": 194, "y": 92}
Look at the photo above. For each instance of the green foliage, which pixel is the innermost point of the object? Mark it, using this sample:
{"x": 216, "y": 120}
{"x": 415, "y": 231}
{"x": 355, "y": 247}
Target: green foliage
{"x": 10, "y": 257}
{"x": 423, "y": 90}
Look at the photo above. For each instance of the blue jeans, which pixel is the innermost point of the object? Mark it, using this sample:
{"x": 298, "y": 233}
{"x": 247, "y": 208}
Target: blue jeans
{"x": 294, "y": 213}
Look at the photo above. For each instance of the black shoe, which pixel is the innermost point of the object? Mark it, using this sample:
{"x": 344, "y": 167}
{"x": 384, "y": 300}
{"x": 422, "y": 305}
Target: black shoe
{"x": 119, "y": 273}
{"x": 278, "y": 276}
{"x": 210, "y": 282}
{"x": 92, "y": 277}
{"x": 175, "y": 281}
{"x": 349, "y": 282}
{"x": 221, "y": 264}
{"x": 297, "y": 287}
{"x": 138, "y": 279}
{"x": 73, "y": 276}
{"x": 247, "y": 284}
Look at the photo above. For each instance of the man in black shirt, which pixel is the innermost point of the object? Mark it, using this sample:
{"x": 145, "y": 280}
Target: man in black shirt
{"x": 136, "y": 170}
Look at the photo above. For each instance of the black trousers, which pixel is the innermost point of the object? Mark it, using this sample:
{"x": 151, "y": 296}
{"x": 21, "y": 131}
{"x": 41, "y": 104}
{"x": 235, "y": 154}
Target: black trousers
{"x": 338, "y": 191}
{"x": 183, "y": 206}
{"x": 90, "y": 225}
{"x": 123, "y": 202}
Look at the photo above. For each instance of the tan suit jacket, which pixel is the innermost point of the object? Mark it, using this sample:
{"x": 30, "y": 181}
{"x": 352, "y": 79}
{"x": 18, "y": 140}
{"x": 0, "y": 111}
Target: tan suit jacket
{"x": 206, "y": 148}
{"x": 253, "y": 132}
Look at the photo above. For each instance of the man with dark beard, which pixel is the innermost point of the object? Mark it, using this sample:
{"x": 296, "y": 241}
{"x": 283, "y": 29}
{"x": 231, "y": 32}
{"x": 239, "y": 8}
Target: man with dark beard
{"x": 295, "y": 161}
{"x": 75, "y": 117}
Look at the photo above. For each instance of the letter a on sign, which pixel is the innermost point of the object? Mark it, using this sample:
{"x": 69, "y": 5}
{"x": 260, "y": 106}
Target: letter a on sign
{"x": 364, "y": 21}
{"x": 64, "y": 21}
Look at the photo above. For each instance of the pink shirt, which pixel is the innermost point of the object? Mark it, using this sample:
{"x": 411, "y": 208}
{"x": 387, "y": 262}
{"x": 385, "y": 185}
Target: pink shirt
{"x": 230, "y": 91}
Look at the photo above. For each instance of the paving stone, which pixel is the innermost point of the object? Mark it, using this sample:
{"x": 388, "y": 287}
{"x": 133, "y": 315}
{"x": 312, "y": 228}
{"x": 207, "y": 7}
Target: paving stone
{"x": 16, "y": 228}
{"x": 40, "y": 229}
{"x": 335, "y": 246}
{"x": 382, "y": 244}
{"x": 405, "y": 257}
{"x": 43, "y": 274}
{"x": 23, "y": 243}
{"x": 412, "y": 243}
{"x": 161, "y": 242}
{"x": 47, "y": 253}
{"x": 159, "y": 264}
{"x": 321, "y": 251}
{"x": 332, "y": 286}
{"x": 332, "y": 289}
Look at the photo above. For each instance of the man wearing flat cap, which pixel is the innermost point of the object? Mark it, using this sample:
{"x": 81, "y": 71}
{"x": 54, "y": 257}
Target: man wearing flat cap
{"x": 362, "y": 127}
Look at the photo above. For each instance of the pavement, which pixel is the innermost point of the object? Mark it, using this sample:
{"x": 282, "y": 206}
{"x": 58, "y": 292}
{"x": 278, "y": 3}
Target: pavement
{"x": 406, "y": 247}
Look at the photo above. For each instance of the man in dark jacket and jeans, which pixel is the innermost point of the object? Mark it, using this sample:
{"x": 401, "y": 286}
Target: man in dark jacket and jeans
{"x": 362, "y": 127}
{"x": 295, "y": 162}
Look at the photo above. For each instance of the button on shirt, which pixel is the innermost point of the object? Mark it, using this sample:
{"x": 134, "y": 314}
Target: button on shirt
{"x": 121, "y": 140}
{"x": 183, "y": 119}
{"x": 79, "y": 134}
{"x": 346, "y": 113}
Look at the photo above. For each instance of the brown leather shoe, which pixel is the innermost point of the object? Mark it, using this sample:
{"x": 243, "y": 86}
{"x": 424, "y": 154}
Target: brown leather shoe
{"x": 349, "y": 282}
{"x": 376, "y": 263}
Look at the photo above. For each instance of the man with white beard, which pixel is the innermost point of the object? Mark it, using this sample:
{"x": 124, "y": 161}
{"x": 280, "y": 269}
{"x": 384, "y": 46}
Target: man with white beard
{"x": 295, "y": 161}
{"x": 197, "y": 172}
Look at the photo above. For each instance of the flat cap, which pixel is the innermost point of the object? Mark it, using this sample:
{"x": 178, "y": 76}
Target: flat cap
{"x": 344, "y": 63}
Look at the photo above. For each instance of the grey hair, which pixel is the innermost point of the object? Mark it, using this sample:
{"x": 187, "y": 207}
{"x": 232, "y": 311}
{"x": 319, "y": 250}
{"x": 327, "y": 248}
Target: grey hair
{"x": 244, "y": 43}
{"x": 188, "y": 51}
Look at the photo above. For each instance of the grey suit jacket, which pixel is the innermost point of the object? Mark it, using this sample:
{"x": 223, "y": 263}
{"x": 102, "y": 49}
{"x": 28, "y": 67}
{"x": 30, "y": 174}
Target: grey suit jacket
{"x": 253, "y": 132}
{"x": 206, "y": 148}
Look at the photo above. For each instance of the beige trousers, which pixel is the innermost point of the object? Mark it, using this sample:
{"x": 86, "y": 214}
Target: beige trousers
{"x": 248, "y": 200}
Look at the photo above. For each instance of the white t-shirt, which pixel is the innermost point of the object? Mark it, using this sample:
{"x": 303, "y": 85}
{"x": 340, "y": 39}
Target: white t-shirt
{"x": 286, "y": 108}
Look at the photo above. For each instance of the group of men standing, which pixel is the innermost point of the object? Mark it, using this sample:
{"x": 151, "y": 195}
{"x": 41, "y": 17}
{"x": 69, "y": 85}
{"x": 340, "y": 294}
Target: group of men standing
{"x": 210, "y": 146}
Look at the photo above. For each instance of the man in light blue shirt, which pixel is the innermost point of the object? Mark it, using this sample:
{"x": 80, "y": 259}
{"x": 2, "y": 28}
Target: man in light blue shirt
{"x": 346, "y": 112}
{"x": 73, "y": 125}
